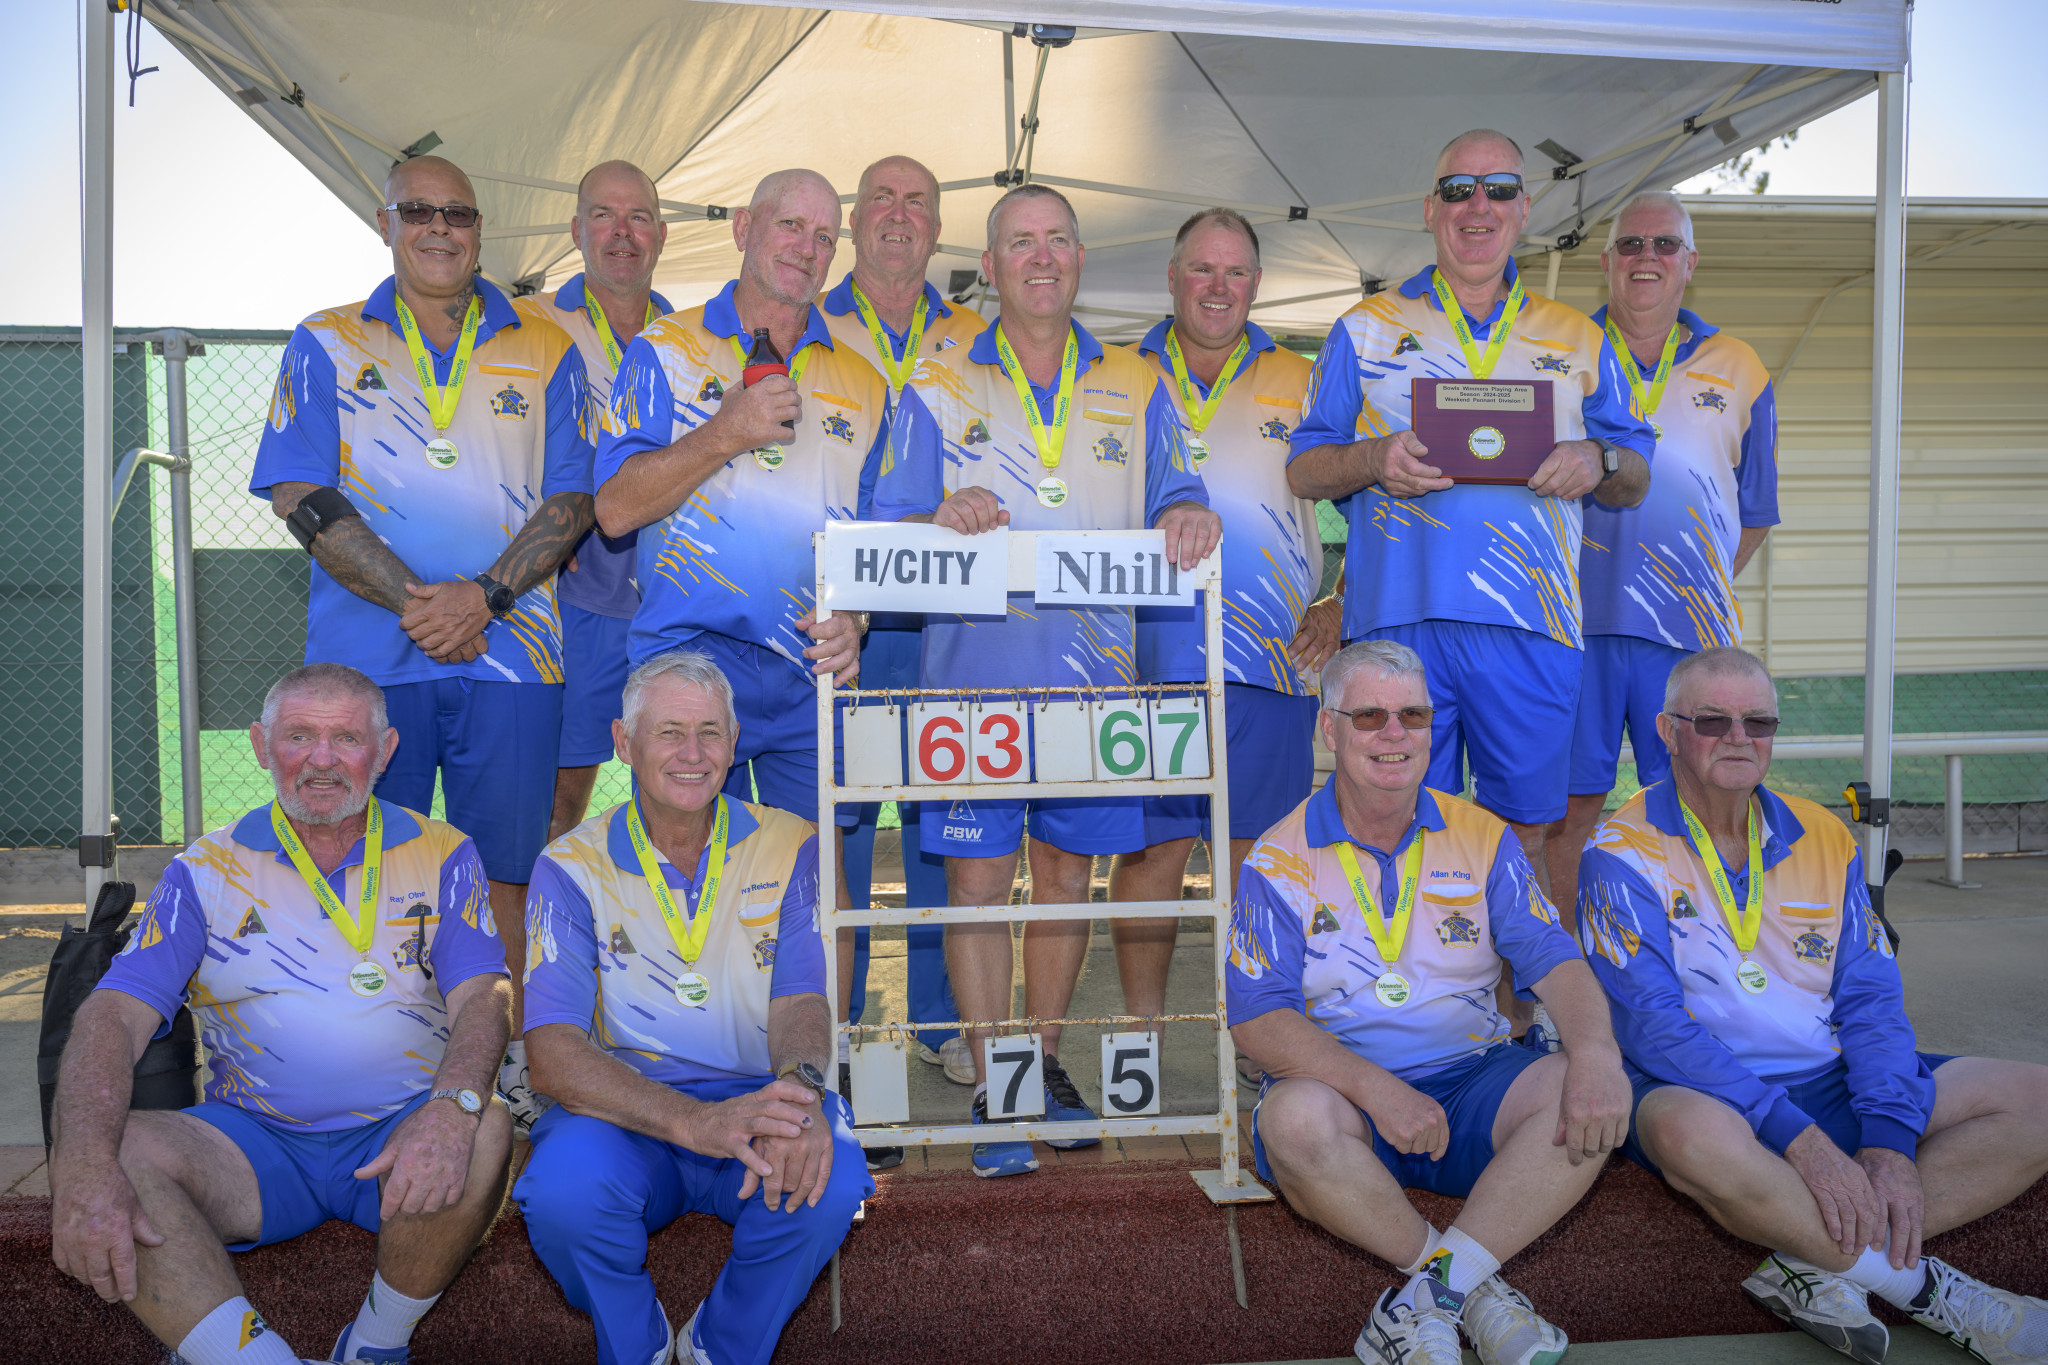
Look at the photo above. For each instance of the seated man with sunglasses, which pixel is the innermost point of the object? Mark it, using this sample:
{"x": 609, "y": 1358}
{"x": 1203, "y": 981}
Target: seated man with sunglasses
{"x": 1364, "y": 986}
{"x": 1760, "y": 1011}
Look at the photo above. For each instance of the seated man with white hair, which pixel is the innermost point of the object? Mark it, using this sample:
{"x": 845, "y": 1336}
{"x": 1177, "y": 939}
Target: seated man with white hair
{"x": 1387, "y": 1063}
{"x": 694, "y": 1079}
{"x": 1776, "y": 1079}
{"x": 338, "y": 954}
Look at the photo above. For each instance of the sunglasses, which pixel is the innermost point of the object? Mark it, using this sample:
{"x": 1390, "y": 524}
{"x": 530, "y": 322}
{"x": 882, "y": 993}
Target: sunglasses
{"x": 1456, "y": 189}
{"x": 1717, "y": 727}
{"x": 1370, "y": 718}
{"x": 417, "y": 211}
{"x": 1633, "y": 246}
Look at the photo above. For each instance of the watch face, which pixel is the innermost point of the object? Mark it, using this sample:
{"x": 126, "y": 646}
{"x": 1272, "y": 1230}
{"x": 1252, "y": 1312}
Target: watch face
{"x": 471, "y": 1102}
{"x": 810, "y": 1076}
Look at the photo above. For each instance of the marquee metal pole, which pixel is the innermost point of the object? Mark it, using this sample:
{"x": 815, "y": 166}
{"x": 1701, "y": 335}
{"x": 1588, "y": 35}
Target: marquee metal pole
{"x": 96, "y": 215}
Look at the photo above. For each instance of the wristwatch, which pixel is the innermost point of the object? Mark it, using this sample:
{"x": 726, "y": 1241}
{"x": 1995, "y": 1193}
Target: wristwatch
{"x": 1610, "y": 458}
{"x": 467, "y": 1100}
{"x": 803, "y": 1073}
{"x": 497, "y": 596}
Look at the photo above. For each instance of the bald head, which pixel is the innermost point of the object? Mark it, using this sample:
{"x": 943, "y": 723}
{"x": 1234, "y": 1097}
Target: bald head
{"x": 432, "y": 178}
{"x": 895, "y": 226}
{"x": 612, "y": 180}
{"x": 1477, "y": 138}
{"x": 778, "y": 187}
{"x": 898, "y": 169}
{"x": 787, "y": 236}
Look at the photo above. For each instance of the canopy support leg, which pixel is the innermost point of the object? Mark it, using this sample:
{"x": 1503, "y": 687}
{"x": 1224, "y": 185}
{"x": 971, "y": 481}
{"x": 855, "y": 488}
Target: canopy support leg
{"x": 96, "y": 214}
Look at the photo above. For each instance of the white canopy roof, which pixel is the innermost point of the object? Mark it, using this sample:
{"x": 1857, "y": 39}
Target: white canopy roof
{"x": 1320, "y": 119}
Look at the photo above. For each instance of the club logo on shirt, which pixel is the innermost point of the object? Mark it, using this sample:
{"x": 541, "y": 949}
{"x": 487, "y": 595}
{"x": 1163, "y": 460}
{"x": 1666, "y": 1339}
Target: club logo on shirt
{"x": 1325, "y": 921}
{"x": 252, "y": 923}
{"x": 712, "y": 390}
{"x": 1710, "y": 400}
{"x": 1551, "y": 364}
{"x": 976, "y": 433}
{"x": 369, "y": 377}
{"x": 1456, "y": 931}
{"x": 1811, "y": 946}
{"x": 1273, "y": 429}
{"x": 1681, "y": 906}
{"x": 411, "y": 952}
{"x": 618, "y": 942}
{"x": 1110, "y": 451}
{"x": 944, "y": 344}
{"x": 510, "y": 405}
{"x": 838, "y": 428}
{"x": 764, "y": 954}
{"x": 1406, "y": 344}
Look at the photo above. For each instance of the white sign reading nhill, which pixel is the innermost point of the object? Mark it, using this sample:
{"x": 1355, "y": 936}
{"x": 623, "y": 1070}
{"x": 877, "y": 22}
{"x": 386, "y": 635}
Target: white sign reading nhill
{"x": 1110, "y": 571}
{"x": 914, "y": 566}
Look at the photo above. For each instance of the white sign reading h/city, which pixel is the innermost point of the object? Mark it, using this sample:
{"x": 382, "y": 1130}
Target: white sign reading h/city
{"x": 1110, "y": 571}
{"x": 914, "y": 566}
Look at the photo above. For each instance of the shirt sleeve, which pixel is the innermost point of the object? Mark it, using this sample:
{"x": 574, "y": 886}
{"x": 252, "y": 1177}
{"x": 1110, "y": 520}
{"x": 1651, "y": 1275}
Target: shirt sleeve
{"x": 1756, "y": 481}
{"x": 911, "y": 481}
{"x": 302, "y": 441}
{"x": 1609, "y": 411}
{"x": 1526, "y": 928}
{"x": 1886, "y": 1088}
{"x": 1263, "y": 973}
{"x": 570, "y": 456}
{"x": 1329, "y": 408}
{"x": 164, "y": 948}
{"x": 466, "y": 941}
{"x": 799, "y": 942}
{"x": 642, "y": 415}
{"x": 1170, "y": 475}
{"x": 1627, "y": 939}
{"x": 561, "y": 950}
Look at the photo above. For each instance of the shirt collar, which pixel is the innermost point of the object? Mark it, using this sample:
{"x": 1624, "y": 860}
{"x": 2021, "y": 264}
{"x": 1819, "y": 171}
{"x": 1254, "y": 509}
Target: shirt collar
{"x": 1155, "y": 340}
{"x": 1691, "y": 321}
{"x": 1782, "y": 829}
{"x": 1325, "y": 823}
{"x": 253, "y": 832}
{"x": 838, "y": 300}
{"x": 722, "y": 319}
{"x": 498, "y": 310}
{"x": 1417, "y": 286}
{"x": 983, "y": 351}
{"x": 740, "y": 822}
{"x": 569, "y": 298}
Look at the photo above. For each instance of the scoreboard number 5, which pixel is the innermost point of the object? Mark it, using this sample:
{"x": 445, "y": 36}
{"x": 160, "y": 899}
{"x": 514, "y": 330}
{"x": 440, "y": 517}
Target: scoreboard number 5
{"x": 1130, "y": 1074}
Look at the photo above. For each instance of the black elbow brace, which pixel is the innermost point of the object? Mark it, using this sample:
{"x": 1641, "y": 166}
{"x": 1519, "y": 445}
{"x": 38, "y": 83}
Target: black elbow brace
{"x": 317, "y": 511}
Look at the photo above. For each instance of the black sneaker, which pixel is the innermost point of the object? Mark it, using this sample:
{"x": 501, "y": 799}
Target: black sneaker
{"x": 1063, "y": 1103}
{"x": 879, "y": 1158}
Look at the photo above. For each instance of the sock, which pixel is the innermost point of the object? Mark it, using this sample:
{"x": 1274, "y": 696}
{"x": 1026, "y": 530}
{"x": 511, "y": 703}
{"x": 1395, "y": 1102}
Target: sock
{"x": 1429, "y": 1236}
{"x": 387, "y": 1317}
{"x": 235, "y": 1334}
{"x": 1453, "y": 1266}
{"x": 1899, "y": 1288}
{"x": 845, "y": 1049}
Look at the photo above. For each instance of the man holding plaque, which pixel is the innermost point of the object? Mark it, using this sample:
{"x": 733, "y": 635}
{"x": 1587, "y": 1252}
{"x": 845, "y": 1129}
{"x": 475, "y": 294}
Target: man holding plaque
{"x": 1035, "y": 425}
{"x": 1419, "y": 392}
{"x": 1777, "y": 1081}
{"x": 1658, "y": 579}
{"x": 1367, "y": 934}
{"x": 1238, "y": 395}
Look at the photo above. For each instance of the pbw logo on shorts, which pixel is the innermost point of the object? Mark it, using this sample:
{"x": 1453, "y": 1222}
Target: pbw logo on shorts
{"x": 964, "y": 832}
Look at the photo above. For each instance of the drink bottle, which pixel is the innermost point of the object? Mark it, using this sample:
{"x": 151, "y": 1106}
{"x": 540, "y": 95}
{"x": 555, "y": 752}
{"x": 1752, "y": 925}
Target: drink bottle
{"x": 762, "y": 361}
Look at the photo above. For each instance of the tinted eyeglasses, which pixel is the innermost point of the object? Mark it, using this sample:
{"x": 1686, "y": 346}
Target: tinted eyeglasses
{"x": 1456, "y": 189}
{"x": 417, "y": 211}
{"x": 1633, "y": 246}
{"x": 1371, "y": 718}
{"x": 1717, "y": 727}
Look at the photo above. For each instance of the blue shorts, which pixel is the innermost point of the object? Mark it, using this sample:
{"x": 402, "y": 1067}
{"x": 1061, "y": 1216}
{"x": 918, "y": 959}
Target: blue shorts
{"x": 1271, "y": 742}
{"x": 1824, "y": 1098}
{"x": 306, "y": 1178}
{"x": 1505, "y": 700}
{"x": 1471, "y": 1093}
{"x": 1623, "y": 685}
{"x": 995, "y": 829}
{"x": 594, "y": 670}
{"x": 496, "y": 746}
{"x": 775, "y": 761}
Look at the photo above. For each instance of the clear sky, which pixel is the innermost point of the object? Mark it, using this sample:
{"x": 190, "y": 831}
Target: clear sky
{"x": 217, "y": 226}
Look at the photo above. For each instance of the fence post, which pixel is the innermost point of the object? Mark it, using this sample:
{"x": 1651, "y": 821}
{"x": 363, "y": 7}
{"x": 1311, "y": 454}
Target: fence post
{"x": 1952, "y": 810}
{"x": 178, "y": 347}
{"x": 96, "y": 830}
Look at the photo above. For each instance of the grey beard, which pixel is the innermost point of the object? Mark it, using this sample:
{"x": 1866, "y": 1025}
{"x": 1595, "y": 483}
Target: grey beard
{"x": 358, "y": 801}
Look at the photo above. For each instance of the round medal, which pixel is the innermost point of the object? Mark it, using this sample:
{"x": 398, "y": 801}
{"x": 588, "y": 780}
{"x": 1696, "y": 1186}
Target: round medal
{"x": 1486, "y": 442}
{"x": 1752, "y": 977}
{"x": 441, "y": 453}
{"x": 768, "y": 457}
{"x": 1051, "y": 492}
{"x": 1199, "y": 448}
{"x": 692, "y": 990}
{"x": 1657, "y": 431}
{"x": 366, "y": 979}
{"x": 1392, "y": 988}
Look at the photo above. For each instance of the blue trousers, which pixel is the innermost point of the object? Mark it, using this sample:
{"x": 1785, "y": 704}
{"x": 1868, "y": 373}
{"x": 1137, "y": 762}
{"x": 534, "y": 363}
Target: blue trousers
{"x": 931, "y": 992}
{"x": 593, "y": 1193}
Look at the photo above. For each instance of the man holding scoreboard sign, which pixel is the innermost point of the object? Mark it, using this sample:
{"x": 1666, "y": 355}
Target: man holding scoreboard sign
{"x": 1035, "y": 425}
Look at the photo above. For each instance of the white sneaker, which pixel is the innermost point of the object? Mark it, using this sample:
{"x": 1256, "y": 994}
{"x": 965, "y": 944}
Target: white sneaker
{"x": 1994, "y": 1325}
{"x": 516, "y": 1085}
{"x": 1826, "y": 1307}
{"x": 952, "y": 1055}
{"x": 1397, "y": 1334}
{"x": 1506, "y": 1329}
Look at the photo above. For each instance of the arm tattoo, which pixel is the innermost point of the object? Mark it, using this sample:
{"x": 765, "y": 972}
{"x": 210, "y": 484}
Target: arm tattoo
{"x": 544, "y": 543}
{"x": 354, "y": 556}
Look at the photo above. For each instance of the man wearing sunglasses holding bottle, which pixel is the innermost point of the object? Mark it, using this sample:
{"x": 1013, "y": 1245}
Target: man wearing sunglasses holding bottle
{"x": 1480, "y": 580}
{"x": 430, "y": 448}
{"x": 1367, "y": 934}
{"x": 1658, "y": 579}
{"x": 1776, "y": 1078}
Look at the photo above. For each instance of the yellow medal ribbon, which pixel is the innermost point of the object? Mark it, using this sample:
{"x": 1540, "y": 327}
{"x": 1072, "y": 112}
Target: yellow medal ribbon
{"x": 441, "y": 400}
{"x": 357, "y": 931}
{"x": 1048, "y": 438}
{"x": 1743, "y": 926}
{"x": 1480, "y": 366}
{"x": 1646, "y": 401}
{"x": 1199, "y": 418}
{"x": 897, "y": 374}
{"x": 689, "y": 941}
{"x": 598, "y": 320}
{"x": 1387, "y": 938}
